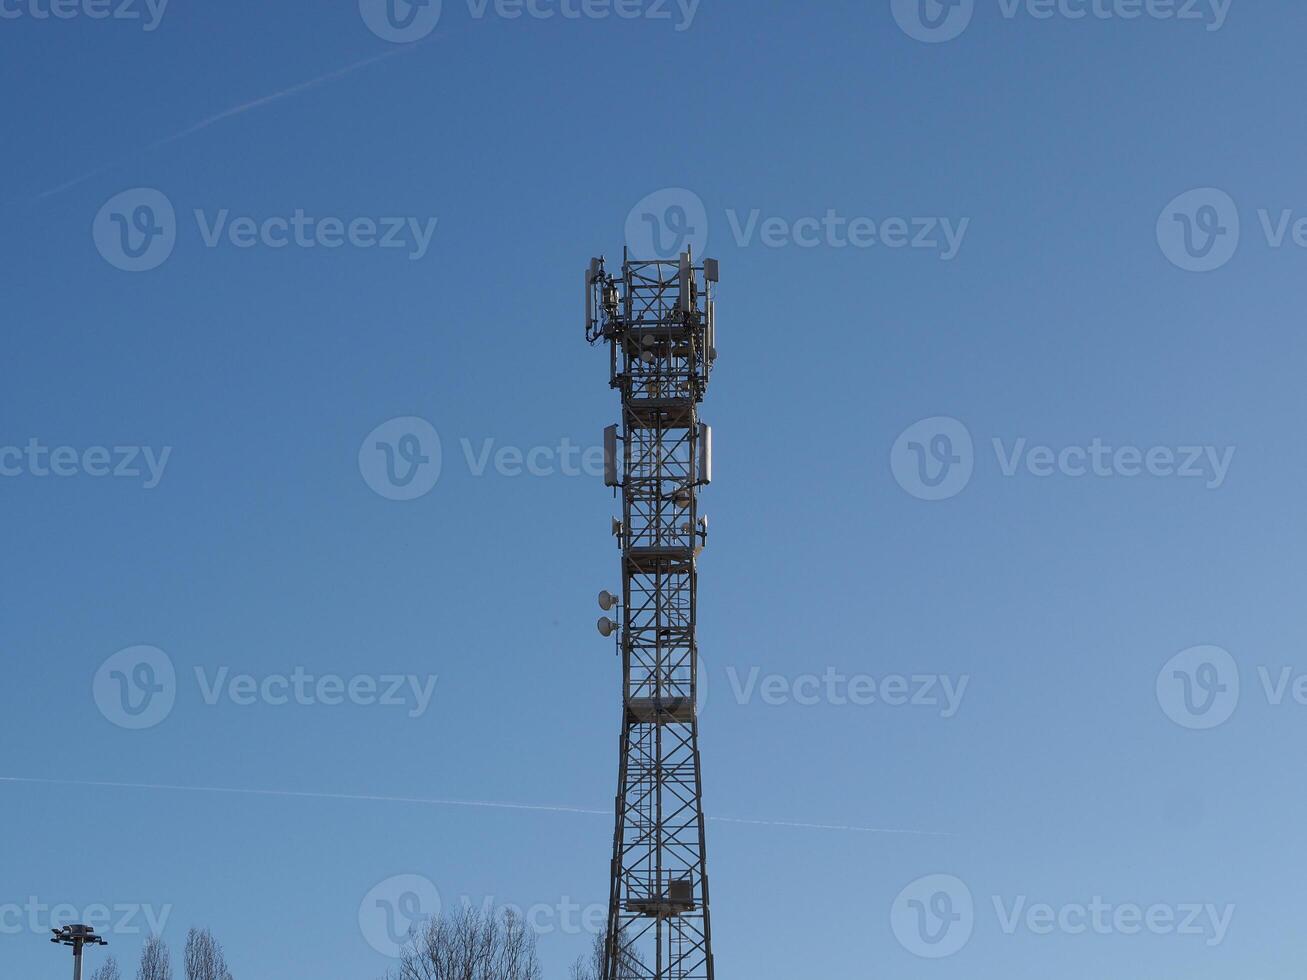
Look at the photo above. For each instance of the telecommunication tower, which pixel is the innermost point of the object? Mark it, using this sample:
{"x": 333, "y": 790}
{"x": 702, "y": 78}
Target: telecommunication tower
{"x": 658, "y": 320}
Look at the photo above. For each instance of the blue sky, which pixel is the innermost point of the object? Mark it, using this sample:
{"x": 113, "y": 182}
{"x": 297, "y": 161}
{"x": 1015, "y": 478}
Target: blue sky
{"x": 1098, "y": 371}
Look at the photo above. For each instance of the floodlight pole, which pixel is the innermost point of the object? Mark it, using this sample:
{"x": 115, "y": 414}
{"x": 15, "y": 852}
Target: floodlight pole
{"x": 77, "y": 936}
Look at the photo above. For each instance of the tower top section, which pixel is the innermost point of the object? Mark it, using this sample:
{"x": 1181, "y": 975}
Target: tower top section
{"x": 659, "y": 318}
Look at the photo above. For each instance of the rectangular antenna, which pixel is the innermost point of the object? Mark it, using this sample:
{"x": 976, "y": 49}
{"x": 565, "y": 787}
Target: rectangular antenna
{"x": 703, "y": 476}
{"x": 590, "y": 276}
{"x": 711, "y": 339}
{"x": 610, "y": 457}
{"x": 687, "y": 301}
{"x": 711, "y": 271}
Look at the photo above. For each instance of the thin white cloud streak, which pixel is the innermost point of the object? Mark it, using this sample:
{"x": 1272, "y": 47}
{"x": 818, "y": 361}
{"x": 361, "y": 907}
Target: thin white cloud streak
{"x": 225, "y": 114}
{"x": 427, "y": 801}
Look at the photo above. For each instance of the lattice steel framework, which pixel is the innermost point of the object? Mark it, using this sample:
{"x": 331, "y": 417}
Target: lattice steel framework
{"x": 659, "y": 322}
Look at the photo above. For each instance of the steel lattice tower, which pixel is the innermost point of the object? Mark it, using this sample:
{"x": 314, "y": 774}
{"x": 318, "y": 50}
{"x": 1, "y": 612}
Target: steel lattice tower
{"x": 658, "y": 320}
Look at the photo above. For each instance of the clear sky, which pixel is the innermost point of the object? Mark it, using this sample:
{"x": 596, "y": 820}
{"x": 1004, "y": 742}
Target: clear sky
{"x": 1065, "y": 300}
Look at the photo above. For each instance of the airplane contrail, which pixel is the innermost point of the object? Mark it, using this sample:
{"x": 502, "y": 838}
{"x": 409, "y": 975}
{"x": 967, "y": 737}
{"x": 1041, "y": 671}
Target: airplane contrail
{"x": 428, "y": 801}
{"x": 225, "y": 114}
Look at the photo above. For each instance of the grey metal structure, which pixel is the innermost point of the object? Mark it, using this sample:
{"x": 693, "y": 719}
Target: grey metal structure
{"x": 77, "y": 936}
{"x": 658, "y": 320}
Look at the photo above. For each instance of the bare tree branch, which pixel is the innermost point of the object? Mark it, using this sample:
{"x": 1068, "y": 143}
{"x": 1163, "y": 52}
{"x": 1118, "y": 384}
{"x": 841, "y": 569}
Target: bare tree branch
{"x": 204, "y": 959}
{"x": 470, "y": 945}
{"x": 155, "y": 962}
